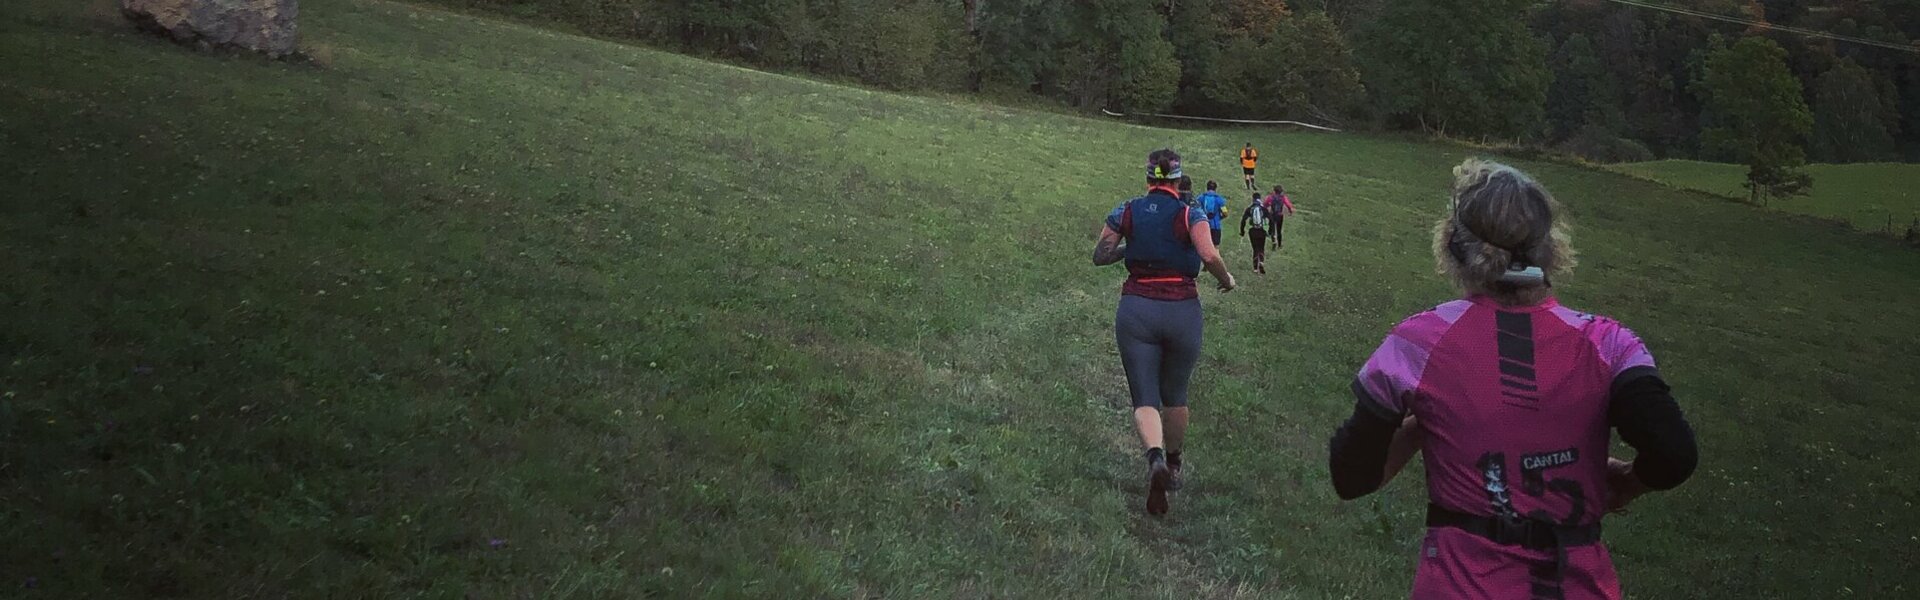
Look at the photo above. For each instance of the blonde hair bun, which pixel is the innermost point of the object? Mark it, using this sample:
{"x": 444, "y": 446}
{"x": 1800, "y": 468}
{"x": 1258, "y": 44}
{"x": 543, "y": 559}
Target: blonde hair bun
{"x": 1500, "y": 224}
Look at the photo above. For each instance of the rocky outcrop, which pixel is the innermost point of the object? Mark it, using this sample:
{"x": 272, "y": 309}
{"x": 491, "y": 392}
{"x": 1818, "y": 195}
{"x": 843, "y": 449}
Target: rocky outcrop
{"x": 265, "y": 26}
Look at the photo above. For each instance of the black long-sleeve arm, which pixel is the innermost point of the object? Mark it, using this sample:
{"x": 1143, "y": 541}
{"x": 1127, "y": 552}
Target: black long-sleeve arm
{"x": 1357, "y": 454}
{"x": 1243, "y": 220}
{"x": 1643, "y": 410}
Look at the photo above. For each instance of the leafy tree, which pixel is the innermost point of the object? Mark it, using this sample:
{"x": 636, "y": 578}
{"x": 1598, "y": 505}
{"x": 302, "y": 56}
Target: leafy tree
{"x": 1292, "y": 64}
{"x": 1098, "y": 52}
{"x": 1232, "y": 82}
{"x": 1602, "y": 79}
{"x": 727, "y": 27}
{"x": 1850, "y": 122}
{"x": 1898, "y": 73}
{"x": 1757, "y": 115}
{"x": 1148, "y": 74}
{"x": 908, "y": 45}
{"x": 1257, "y": 18}
{"x": 1787, "y": 12}
{"x": 1777, "y": 172}
{"x": 1023, "y": 45}
{"x": 1314, "y": 70}
{"x": 1350, "y": 15}
{"x": 1142, "y": 73}
{"x": 1584, "y": 90}
{"x": 1466, "y": 67}
{"x": 1656, "y": 55}
{"x": 1596, "y": 143}
{"x": 1903, "y": 15}
{"x": 1195, "y": 30}
{"x": 1219, "y": 44}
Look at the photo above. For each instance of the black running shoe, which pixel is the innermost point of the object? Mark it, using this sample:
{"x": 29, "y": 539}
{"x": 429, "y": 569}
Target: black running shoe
{"x": 1159, "y": 479}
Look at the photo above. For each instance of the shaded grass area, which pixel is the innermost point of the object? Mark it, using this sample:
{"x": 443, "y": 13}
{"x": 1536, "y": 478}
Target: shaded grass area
{"x": 474, "y": 308}
{"x": 1880, "y": 198}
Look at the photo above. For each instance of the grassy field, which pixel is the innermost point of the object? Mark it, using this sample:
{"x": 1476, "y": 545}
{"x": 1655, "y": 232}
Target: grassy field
{"x": 470, "y": 309}
{"x": 1866, "y": 196}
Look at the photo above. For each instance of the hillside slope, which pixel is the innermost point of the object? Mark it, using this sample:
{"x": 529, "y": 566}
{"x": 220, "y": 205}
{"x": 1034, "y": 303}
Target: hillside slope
{"x": 1878, "y": 198}
{"x": 478, "y": 308}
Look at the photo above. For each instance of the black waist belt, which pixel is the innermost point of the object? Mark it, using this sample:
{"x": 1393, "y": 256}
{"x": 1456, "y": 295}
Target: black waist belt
{"x": 1526, "y": 533}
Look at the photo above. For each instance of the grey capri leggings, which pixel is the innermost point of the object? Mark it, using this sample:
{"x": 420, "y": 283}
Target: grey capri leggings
{"x": 1159, "y": 346}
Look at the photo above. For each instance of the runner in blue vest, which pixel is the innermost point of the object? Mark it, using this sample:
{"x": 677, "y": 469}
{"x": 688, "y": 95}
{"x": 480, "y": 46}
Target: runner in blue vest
{"x": 1165, "y": 243}
{"x": 1215, "y": 206}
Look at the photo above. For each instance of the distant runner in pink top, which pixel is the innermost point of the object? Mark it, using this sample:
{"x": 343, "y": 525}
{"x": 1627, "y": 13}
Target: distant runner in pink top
{"x": 1279, "y": 207}
{"x": 1511, "y": 396}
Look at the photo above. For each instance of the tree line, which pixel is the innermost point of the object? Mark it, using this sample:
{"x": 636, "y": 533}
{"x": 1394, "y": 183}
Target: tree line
{"x": 1593, "y": 78}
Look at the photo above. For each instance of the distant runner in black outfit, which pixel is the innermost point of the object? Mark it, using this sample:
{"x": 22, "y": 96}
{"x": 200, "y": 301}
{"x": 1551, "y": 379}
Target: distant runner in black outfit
{"x": 1256, "y": 214}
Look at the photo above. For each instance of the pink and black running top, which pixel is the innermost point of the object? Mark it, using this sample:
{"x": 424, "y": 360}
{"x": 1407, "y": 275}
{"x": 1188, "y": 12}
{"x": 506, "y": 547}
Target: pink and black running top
{"x": 1278, "y": 205}
{"x": 1515, "y": 404}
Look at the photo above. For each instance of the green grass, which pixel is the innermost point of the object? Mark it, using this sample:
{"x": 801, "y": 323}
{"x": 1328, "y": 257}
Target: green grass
{"x": 1880, "y": 198}
{"x": 480, "y": 310}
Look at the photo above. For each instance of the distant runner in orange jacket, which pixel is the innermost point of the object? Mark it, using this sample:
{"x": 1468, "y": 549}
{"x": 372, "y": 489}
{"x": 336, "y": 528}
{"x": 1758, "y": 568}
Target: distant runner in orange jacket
{"x": 1249, "y": 157}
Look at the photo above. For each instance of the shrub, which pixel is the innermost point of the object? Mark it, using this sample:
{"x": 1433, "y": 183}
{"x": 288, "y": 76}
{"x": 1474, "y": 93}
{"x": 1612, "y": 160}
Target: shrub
{"x": 1595, "y": 143}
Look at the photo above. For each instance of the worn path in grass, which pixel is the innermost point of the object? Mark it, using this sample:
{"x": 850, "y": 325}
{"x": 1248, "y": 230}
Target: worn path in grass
{"x": 472, "y": 307}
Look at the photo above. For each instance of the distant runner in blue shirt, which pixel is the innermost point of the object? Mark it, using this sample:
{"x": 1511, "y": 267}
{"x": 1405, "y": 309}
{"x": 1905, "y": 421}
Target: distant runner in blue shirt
{"x": 1214, "y": 206}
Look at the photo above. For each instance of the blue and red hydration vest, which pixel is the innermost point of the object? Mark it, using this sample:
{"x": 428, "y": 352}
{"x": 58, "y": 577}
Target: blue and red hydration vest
{"x": 1161, "y": 259}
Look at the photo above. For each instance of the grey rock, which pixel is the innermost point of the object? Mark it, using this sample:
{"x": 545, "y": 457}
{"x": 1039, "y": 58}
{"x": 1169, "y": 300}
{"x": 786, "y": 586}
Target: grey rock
{"x": 265, "y": 26}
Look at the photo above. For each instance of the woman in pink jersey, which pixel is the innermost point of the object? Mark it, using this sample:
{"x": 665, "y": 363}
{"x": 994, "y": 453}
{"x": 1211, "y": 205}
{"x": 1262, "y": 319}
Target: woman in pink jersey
{"x": 1511, "y": 398}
